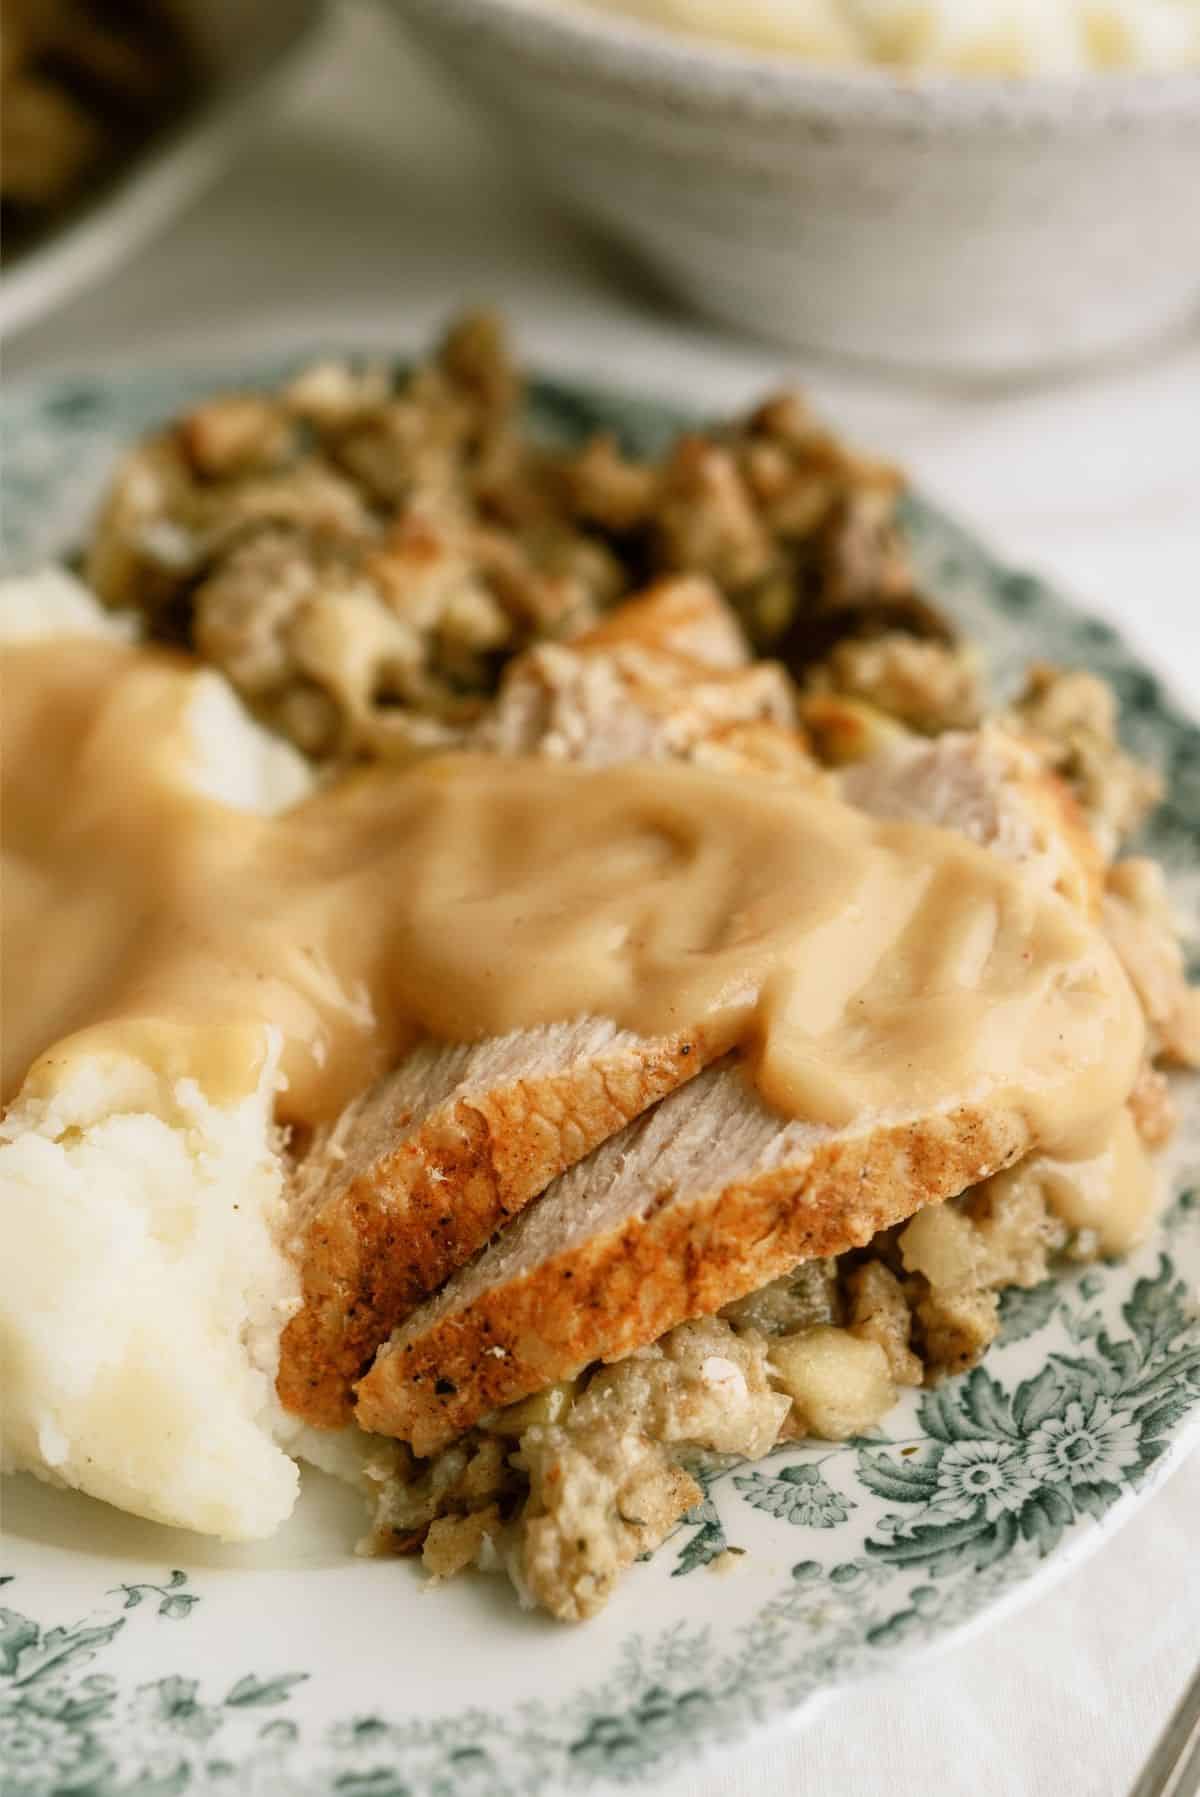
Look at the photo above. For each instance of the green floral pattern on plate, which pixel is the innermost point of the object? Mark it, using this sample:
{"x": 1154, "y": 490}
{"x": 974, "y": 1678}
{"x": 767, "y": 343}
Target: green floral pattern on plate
{"x": 883, "y": 1546}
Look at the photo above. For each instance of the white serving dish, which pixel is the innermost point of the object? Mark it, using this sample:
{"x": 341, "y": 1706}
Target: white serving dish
{"x": 971, "y": 225}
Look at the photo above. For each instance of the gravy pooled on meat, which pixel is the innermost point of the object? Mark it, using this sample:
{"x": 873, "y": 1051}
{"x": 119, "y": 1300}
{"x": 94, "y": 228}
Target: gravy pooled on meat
{"x": 869, "y": 966}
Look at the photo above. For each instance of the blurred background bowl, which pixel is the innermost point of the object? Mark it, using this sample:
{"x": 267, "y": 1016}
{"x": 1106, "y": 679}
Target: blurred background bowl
{"x": 243, "y": 55}
{"x": 963, "y": 224}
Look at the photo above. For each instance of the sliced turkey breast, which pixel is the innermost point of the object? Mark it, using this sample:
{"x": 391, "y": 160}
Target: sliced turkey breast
{"x": 419, "y": 1171}
{"x": 710, "y": 1196}
{"x": 715, "y": 1193}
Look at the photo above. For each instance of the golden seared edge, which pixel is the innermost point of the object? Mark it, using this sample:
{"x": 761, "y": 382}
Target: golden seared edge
{"x": 489, "y": 1340}
{"x": 407, "y": 1186}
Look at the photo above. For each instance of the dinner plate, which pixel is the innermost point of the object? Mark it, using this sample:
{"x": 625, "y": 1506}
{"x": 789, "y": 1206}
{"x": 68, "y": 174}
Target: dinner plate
{"x": 139, "y": 1662}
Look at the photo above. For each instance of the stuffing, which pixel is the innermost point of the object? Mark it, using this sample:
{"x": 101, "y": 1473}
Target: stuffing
{"x": 956, "y": 1327}
{"x": 959, "y": 1256}
{"x": 1070, "y": 717}
{"x": 455, "y": 1542}
{"x": 362, "y": 557}
{"x": 586, "y": 1478}
{"x": 927, "y": 686}
{"x": 704, "y": 1385}
{"x": 803, "y": 1298}
{"x": 878, "y": 1311}
{"x": 599, "y": 1496}
{"x": 840, "y": 1383}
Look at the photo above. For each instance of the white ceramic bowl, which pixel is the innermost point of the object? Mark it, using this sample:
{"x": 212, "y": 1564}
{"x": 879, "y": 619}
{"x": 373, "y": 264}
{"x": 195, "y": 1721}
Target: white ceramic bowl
{"x": 963, "y": 224}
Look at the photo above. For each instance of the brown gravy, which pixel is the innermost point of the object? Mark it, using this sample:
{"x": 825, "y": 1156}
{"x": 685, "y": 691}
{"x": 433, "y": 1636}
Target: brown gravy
{"x": 869, "y": 967}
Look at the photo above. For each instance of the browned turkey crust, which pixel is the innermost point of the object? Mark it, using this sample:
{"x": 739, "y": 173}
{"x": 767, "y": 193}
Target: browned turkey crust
{"x": 422, "y": 1169}
{"x": 712, "y": 1195}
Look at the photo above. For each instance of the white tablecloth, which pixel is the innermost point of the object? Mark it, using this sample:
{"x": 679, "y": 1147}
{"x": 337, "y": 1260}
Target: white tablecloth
{"x": 369, "y": 208}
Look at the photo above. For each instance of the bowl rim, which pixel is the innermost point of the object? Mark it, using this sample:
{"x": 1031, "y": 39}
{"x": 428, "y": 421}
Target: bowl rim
{"x": 621, "y": 50}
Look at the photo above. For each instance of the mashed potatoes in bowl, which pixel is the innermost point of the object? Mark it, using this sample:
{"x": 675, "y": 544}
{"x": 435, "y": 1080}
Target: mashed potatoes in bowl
{"x": 968, "y": 37}
{"x": 972, "y": 186}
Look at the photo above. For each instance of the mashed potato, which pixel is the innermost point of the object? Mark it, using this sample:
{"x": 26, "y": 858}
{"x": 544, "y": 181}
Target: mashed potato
{"x": 142, "y": 1293}
{"x": 982, "y": 37}
{"x": 143, "y": 1287}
